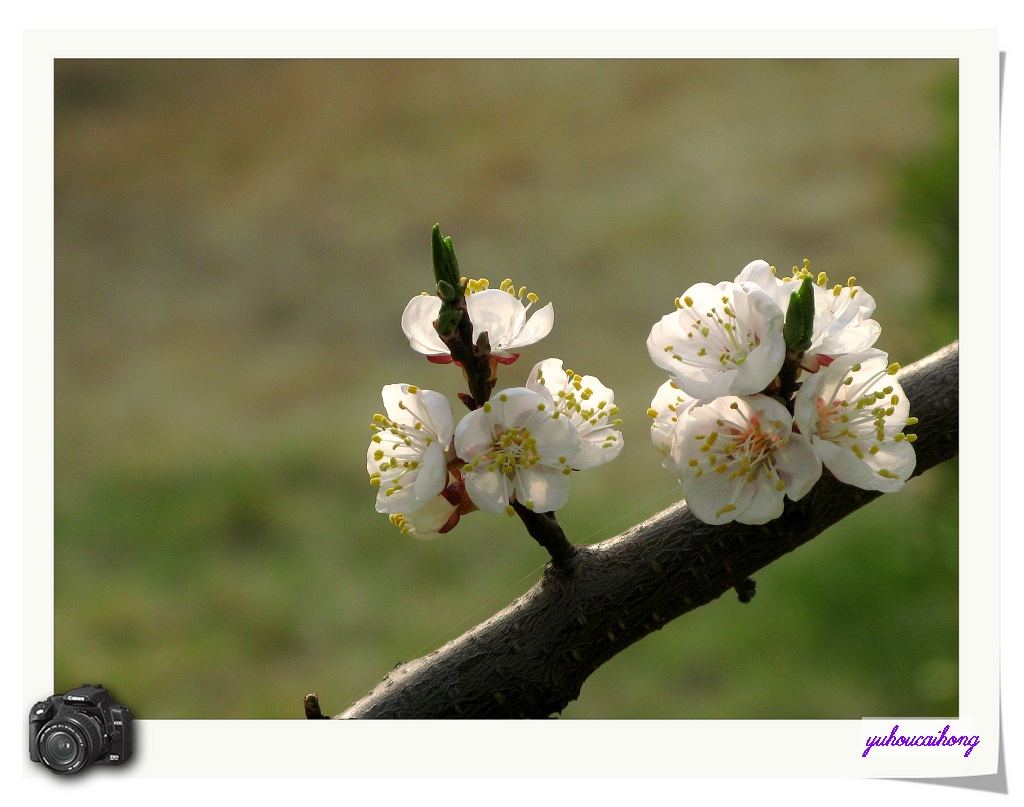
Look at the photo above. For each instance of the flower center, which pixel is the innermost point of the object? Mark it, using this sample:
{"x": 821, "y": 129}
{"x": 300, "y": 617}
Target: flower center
{"x": 512, "y": 449}
{"x": 745, "y": 449}
{"x": 856, "y": 412}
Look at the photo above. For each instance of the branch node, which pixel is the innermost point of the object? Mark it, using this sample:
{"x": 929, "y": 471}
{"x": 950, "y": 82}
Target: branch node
{"x": 746, "y": 589}
{"x": 311, "y": 706}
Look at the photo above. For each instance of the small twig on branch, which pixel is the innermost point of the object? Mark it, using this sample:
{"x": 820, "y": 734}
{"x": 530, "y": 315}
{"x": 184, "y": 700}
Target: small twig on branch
{"x": 546, "y": 531}
{"x": 531, "y": 659}
{"x": 311, "y": 705}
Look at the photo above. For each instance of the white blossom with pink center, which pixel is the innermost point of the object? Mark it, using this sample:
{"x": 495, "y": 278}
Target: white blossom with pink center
{"x": 740, "y": 458}
{"x": 854, "y": 412}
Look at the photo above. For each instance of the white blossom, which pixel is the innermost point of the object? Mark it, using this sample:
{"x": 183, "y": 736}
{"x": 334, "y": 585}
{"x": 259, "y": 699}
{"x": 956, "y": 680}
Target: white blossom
{"x": 407, "y": 458}
{"x": 740, "y": 457}
{"x": 517, "y": 446}
{"x": 588, "y": 404}
{"x": 722, "y": 340}
{"x": 500, "y": 312}
{"x": 855, "y": 411}
{"x": 842, "y": 314}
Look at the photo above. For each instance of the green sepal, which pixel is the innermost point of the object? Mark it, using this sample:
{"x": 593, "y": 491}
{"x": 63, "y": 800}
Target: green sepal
{"x": 445, "y": 291}
{"x": 799, "y": 327}
{"x": 447, "y": 321}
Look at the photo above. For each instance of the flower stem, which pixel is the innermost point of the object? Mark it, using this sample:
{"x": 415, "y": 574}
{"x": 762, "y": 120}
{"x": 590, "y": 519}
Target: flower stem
{"x": 787, "y": 378}
{"x": 546, "y": 531}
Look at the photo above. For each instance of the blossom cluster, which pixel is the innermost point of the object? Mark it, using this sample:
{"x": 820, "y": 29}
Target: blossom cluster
{"x": 770, "y": 378}
{"x": 520, "y": 446}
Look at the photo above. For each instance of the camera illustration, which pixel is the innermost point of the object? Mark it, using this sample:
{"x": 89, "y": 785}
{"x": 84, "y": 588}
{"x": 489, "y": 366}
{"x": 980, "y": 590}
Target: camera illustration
{"x": 69, "y": 732}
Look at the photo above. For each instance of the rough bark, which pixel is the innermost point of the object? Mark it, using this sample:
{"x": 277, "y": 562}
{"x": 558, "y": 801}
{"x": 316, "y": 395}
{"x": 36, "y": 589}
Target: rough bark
{"x": 531, "y": 659}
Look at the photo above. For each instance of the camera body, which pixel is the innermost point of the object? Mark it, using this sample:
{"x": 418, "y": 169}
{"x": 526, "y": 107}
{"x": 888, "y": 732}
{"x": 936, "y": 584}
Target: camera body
{"x": 83, "y": 726}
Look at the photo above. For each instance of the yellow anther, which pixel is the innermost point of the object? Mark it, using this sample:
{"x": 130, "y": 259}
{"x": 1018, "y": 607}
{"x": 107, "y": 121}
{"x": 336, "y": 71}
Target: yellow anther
{"x": 510, "y": 509}
{"x": 727, "y": 509}
{"x": 912, "y": 421}
{"x": 893, "y": 368}
{"x": 688, "y": 301}
{"x": 413, "y": 389}
{"x": 911, "y": 438}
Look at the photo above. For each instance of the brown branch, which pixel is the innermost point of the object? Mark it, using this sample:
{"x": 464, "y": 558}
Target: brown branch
{"x": 532, "y": 658}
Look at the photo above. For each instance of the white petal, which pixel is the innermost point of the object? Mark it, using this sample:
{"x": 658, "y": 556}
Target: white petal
{"x": 598, "y": 447}
{"x": 489, "y": 490}
{"x": 497, "y": 312}
{"x": 547, "y": 488}
{"x": 515, "y": 406}
{"x": 399, "y": 501}
{"x": 438, "y": 415}
{"x": 898, "y": 459}
{"x": 547, "y": 378}
{"x": 845, "y": 466}
{"x": 556, "y": 437}
{"x": 536, "y": 328}
{"x": 669, "y": 406}
{"x": 418, "y": 325}
{"x": 432, "y": 474}
{"x": 766, "y": 504}
{"x": 474, "y": 435}
{"x": 761, "y": 366}
{"x": 760, "y": 273}
{"x": 709, "y": 496}
{"x": 426, "y": 521}
{"x": 797, "y": 465}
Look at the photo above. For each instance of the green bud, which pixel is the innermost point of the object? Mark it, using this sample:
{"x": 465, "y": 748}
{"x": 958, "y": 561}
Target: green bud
{"x": 445, "y": 291}
{"x": 447, "y": 321}
{"x": 453, "y": 262}
{"x": 799, "y": 325}
{"x": 446, "y": 267}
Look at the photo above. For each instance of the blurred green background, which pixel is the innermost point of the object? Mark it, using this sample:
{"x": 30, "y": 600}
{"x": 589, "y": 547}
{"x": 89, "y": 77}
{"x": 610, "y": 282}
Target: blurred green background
{"x": 235, "y": 242}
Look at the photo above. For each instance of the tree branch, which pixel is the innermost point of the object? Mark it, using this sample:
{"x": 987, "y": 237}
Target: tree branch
{"x": 531, "y": 659}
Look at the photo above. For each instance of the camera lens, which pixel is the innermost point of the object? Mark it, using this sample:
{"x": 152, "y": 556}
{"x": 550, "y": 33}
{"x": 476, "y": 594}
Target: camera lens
{"x": 61, "y": 747}
{"x": 70, "y": 743}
